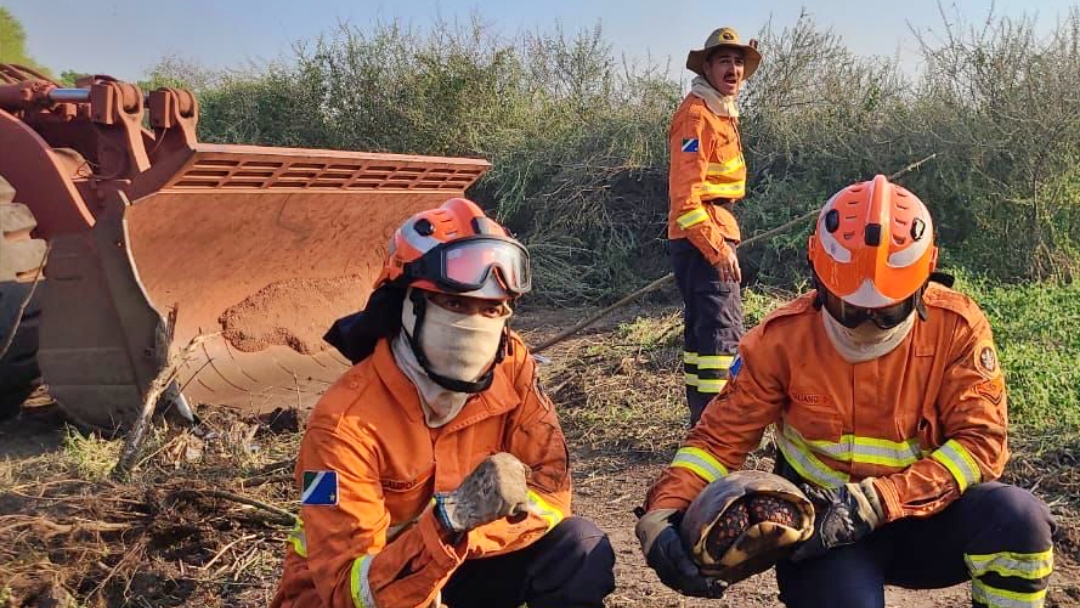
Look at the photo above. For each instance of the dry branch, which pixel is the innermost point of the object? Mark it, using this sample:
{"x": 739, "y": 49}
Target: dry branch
{"x": 278, "y": 515}
{"x": 658, "y": 283}
{"x": 164, "y": 378}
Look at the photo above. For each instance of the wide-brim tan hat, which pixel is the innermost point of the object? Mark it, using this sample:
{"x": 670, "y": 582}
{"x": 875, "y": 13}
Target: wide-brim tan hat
{"x": 725, "y": 36}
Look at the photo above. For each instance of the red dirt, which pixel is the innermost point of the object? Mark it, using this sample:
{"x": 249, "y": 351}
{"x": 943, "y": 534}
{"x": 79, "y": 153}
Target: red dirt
{"x": 294, "y": 313}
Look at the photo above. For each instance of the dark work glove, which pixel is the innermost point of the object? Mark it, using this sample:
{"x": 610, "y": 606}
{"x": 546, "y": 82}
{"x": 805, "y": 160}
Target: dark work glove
{"x": 844, "y": 515}
{"x": 664, "y": 552}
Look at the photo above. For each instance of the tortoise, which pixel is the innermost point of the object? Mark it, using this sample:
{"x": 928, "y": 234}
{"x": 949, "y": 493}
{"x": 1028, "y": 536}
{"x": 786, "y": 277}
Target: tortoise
{"x": 744, "y": 523}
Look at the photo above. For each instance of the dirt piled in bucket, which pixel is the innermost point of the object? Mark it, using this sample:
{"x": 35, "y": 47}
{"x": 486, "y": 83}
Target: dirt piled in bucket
{"x": 294, "y": 313}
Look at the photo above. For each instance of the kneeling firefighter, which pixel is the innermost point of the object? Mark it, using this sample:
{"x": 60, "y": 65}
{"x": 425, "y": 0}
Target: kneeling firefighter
{"x": 891, "y": 415}
{"x": 434, "y": 472}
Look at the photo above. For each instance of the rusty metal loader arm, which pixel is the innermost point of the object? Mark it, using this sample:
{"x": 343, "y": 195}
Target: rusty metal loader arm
{"x": 255, "y": 249}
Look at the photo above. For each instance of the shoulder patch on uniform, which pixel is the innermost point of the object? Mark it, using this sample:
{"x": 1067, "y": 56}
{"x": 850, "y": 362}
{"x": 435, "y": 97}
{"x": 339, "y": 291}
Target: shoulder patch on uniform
{"x": 320, "y": 489}
{"x": 736, "y": 367}
{"x": 992, "y": 389}
{"x": 986, "y": 359}
{"x": 690, "y": 144}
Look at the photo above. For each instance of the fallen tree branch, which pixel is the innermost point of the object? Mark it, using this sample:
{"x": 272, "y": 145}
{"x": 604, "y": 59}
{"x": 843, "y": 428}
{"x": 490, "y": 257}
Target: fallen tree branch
{"x": 129, "y": 454}
{"x": 281, "y": 516}
{"x": 658, "y": 283}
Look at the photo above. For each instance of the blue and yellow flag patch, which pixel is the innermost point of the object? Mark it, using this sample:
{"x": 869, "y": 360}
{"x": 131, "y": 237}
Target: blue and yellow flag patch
{"x": 320, "y": 488}
{"x": 736, "y": 367}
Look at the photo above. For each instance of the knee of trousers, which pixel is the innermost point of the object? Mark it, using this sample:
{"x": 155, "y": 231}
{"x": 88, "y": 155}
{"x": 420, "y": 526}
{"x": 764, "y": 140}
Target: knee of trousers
{"x": 587, "y": 547}
{"x": 1019, "y": 518}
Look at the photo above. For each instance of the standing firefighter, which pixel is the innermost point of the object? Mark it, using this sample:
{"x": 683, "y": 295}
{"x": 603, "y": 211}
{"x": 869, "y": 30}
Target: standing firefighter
{"x": 434, "y": 472}
{"x": 707, "y": 176}
{"x": 890, "y": 408}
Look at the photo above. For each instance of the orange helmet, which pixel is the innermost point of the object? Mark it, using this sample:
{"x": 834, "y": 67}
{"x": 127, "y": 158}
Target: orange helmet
{"x": 873, "y": 247}
{"x": 457, "y": 249}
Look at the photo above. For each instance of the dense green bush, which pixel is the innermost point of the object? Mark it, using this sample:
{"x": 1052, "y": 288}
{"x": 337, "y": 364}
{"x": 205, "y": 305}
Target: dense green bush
{"x": 577, "y": 137}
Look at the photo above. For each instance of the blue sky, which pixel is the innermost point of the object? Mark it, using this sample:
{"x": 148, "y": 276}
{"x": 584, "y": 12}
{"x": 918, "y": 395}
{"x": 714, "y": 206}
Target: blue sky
{"x": 126, "y": 37}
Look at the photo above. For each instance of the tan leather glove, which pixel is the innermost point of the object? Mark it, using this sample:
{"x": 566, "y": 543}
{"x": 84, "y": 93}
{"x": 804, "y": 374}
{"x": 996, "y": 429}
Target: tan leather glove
{"x": 495, "y": 489}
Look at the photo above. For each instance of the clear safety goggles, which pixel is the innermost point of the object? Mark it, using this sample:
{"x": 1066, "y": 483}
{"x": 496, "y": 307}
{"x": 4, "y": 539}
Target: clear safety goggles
{"x": 466, "y": 265}
{"x": 851, "y": 317}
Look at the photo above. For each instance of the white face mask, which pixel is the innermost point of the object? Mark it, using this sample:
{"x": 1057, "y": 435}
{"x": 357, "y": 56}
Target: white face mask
{"x": 866, "y": 341}
{"x": 457, "y": 346}
{"x": 460, "y": 347}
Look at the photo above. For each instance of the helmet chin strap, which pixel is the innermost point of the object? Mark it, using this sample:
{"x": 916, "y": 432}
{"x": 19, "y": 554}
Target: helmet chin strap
{"x": 451, "y": 384}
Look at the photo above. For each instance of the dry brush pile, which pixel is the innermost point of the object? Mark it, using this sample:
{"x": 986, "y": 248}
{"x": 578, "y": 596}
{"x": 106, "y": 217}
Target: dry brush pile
{"x": 181, "y": 531}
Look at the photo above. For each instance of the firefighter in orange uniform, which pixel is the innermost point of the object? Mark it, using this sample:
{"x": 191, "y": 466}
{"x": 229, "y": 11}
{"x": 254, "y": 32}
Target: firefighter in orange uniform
{"x": 434, "y": 472}
{"x": 707, "y": 176}
{"x": 890, "y": 408}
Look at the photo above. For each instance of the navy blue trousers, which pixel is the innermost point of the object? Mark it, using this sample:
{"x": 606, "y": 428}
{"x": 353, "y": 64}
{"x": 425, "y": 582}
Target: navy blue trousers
{"x": 572, "y": 566}
{"x": 996, "y": 535}
{"x": 712, "y": 324}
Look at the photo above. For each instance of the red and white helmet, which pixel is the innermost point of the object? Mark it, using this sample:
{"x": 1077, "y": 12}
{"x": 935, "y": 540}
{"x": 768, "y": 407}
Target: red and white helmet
{"x": 457, "y": 249}
{"x": 873, "y": 247}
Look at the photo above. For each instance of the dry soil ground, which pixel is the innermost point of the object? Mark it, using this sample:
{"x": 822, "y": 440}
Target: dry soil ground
{"x": 170, "y": 538}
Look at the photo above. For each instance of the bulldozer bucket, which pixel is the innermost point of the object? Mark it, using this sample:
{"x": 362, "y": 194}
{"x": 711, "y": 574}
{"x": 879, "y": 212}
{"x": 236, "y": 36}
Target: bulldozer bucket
{"x": 251, "y": 253}
{"x": 257, "y": 251}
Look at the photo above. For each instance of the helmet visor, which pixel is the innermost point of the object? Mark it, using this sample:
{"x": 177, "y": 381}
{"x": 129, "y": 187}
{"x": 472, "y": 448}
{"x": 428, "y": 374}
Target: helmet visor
{"x": 851, "y": 317}
{"x": 465, "y": 265}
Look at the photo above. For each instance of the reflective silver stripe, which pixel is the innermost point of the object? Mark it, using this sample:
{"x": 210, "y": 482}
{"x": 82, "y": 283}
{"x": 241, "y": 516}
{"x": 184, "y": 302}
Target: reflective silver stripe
{"x": 803, "y": 460}
{"x": 702, "y": 463}
{"x": 1002, "y": 598}
{"x": 690, "y": 379}
{"x": 360, "y": 587}
{"x": 959, "y": 462}
{"x": 1030, "y": 566}
{"x": 692, "y": 218}
{"x": 689, "y": 358}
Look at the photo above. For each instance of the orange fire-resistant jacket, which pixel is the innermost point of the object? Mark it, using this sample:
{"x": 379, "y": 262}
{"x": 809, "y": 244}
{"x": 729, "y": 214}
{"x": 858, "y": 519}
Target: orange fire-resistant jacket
{"x": 927, "y": 420}
{"x": 380, "y": 545}
{"x": 706, "y": 165}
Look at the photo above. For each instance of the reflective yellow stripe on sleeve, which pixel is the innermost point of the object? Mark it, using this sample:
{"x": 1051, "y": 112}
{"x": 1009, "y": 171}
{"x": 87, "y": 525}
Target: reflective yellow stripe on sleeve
{"x": 1002, "y": 598}
{"x": 1030, "y": 566}
{"x": 298, "y": 539}
{"x": 692, "y": 218}
{"x": 959, "y": 462}
{"x": 544, "y": 509}
{"x": 700, "y": 462}
{"x": 359, "y": 585}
